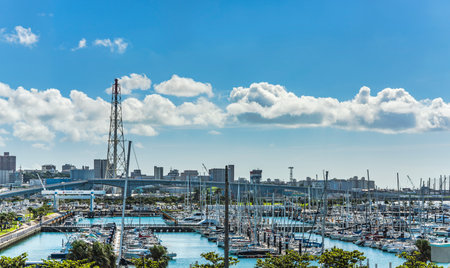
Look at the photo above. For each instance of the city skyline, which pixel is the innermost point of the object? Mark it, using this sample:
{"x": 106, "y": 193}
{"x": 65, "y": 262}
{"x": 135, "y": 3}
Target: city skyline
{"x": 310, "y": 85}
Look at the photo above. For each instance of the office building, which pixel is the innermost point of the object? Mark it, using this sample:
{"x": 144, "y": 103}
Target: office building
{"x": 82, "y": 174}
{"x": 100, "y": 168}
{"x": 173, "y": 174}
{"x": 255, "y": 176}
{"x": 66, "y": 168}
{"x": 7, "y": 162}
{"x": 158, "y": 173}
{"x": 218, "y": 174}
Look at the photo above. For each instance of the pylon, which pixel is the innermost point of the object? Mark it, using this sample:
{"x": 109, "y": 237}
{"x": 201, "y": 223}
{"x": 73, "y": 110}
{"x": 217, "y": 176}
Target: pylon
{"x": 116, "y": 161}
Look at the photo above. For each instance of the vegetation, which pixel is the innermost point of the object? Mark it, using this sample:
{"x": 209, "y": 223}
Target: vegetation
{"x": 99, "y": 253}
{"x": 16, "y": 262}
{"x": 424, "y": 250}
{"x": 339, "y": 258}
{"x": 215, "y": 260}
{"x": 413, "y": 261}
{"x": 38, "y": 213}
{"x": 68, "y": 264}
{"x": 7, "y": 219}
{"x": 292, "y": 259}
{"x": 157, "y": 259}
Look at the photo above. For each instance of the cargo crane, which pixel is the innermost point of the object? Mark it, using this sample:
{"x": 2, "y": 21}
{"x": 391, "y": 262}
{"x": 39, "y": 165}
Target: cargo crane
{"x": 410, "y": 180}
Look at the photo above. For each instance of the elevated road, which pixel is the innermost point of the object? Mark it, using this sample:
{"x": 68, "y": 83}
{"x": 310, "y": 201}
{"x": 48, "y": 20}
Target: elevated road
{"x": 37, "y": 189}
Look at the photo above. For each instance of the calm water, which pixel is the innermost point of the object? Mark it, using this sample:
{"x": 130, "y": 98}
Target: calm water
{"x": 128, "y": 220}
{"x": 189, "y": 246}
{"x": 38, "y": 246}
{"x": 375, "y": 256}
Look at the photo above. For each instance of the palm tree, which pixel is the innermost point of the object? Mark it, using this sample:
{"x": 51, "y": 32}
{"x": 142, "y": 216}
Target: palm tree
{"x": 3, "y": 219}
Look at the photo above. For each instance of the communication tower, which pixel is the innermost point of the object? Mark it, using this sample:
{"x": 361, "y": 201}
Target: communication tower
{"x": 116, "y": 161}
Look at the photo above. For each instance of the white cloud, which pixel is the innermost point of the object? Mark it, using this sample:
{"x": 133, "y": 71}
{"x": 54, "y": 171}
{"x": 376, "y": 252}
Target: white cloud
{"x": 41, "y": 146}
{"x": 43, "y": 115}
{"x": 160, "y": 111}
{"x": 183, "y": 87}
{"x": 81, "y": 44}
{"x": 117, "y": 45}
{"x": 138, "y": 145}
{"x": 143, "y": 130}
{"x": 130, "y": 83}
{"x": 21, "y": 35}
{"x": 214, "y": 132}
{"x": 32, "y": 132}
{"x": 390, "y": 111}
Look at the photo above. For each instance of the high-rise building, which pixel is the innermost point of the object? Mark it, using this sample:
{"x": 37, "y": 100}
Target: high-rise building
{"x": 82, "y": 174}
{"x": 218, "y": 174}
{"x": 66, "y": 168}
{"x": 231, "y": 173}
{"x": 7, "y": 162}
{"x": 191, "y": 174}
{"x": 173, "y": 174}
{"x": 100, "y": 168}
{"x": 255, "y": 176}
{"x": 136, "y": 173}
{"x": 158, "y": 173}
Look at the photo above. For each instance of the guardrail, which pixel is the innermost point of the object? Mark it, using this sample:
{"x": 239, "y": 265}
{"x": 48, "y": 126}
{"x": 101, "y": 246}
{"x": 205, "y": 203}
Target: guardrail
{"x": 24, "y": 232}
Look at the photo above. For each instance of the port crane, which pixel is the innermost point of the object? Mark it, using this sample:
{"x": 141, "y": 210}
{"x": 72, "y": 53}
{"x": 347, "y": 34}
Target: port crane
{"x": 410, "y": 180}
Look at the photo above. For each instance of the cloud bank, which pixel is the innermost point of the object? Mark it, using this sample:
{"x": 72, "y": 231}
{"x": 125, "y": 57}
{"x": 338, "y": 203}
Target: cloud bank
{"x": 41, "y": 116}
{"x": 389, "y": 111}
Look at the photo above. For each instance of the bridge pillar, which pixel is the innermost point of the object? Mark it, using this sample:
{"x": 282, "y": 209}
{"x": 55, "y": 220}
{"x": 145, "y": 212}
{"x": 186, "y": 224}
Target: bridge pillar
{"x": 55, "y": 202}
{"x": 91, "y": 207}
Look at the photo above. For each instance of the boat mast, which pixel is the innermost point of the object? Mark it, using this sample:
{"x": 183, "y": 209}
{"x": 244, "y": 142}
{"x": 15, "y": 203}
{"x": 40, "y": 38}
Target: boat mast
{"x": 125, "y": 189}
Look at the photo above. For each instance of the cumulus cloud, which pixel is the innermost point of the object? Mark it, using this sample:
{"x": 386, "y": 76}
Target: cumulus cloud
{"x": 160, "y": 111}
{"x": 81, "y": 44}
{"x": 214, "y": 132}
{"x": 143, "y": 130}
{"x": 117, "y": 45}
{"x": 42, "y": 115}
{"x": 132, "y": 82}
{"x": 390, "y": 111}
{"x": 183, "y": 87}
{"x": 21, "y": 35}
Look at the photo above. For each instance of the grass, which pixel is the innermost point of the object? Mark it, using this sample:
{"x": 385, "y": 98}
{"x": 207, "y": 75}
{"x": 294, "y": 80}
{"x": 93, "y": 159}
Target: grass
{"x": 13, "y": 228}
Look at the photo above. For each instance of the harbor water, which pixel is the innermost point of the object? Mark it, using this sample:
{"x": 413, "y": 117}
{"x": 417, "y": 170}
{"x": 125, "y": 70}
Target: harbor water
{"x": 127, "y": 220}
{"x": 187, "y": 246}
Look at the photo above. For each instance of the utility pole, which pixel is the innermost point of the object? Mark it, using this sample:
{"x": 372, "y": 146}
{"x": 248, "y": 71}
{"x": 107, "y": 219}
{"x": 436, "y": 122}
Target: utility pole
{"x": 227, "y": 231}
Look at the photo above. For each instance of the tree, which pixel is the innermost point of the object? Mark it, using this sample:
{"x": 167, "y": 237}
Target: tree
{"x": 3, "y": 219}
{"x": 292, "y": 259}
{"x": 412, "y": 261}
{"x": 215, "y": 261}
{"x": 99, "y": 253}
{"x": 339, "y": 258}
{"x": 424, "y": 250}
{"x": 156, "y": 259}
{"x": 68, "y": 264}
{"x": 15, "y": 262}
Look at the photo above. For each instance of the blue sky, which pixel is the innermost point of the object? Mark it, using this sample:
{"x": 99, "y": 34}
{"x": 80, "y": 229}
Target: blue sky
{"x": 241, "y": 69}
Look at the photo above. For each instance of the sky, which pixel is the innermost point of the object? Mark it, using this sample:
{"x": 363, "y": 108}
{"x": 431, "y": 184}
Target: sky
{"x": 343, "y": 86}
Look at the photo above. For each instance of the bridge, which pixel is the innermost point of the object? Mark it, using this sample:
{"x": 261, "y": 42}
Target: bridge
{"x": 136, "y": 183}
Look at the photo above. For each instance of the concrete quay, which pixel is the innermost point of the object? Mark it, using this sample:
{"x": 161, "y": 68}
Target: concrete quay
{"x": 27, "y": 230}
